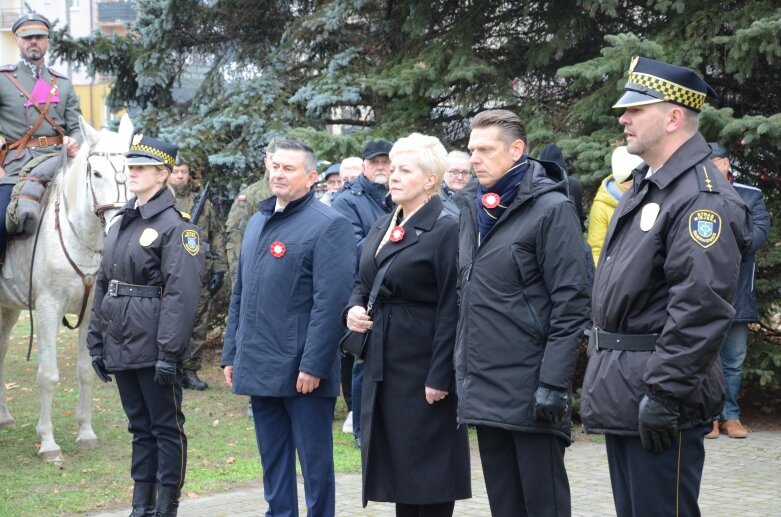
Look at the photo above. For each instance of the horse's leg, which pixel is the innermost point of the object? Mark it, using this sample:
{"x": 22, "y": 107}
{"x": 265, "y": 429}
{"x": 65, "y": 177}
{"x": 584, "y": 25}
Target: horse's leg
{"x": 8, "y": 319}
{"x": 47, "y": 320}
{"x": 86, "y": 439}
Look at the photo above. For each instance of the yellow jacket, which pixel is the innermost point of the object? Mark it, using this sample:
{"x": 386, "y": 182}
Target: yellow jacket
{"x": 599, "y": 218}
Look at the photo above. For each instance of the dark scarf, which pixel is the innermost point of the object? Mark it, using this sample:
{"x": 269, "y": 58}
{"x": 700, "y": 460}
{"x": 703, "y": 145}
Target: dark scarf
{"x": 507, "y": 189}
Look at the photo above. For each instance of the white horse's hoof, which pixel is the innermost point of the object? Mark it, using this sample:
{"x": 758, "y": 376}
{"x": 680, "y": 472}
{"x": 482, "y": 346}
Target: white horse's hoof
{"x": 9, "y": 422}
{"x": 52, "y": 456}
{"x": 87, "y": 444}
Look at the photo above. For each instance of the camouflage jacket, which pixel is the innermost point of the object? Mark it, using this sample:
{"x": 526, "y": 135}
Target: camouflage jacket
{"x": 212, "y": 240}
{"x": 244, "y": 206}
{"x": 17, "y": 116}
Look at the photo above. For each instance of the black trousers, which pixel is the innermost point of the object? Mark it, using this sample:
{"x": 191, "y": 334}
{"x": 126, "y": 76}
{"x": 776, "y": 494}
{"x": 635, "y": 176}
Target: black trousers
{"x": 649, "y": 484}
{"x": 347, "y": 380}
{"x": 155, "y": 419}
{"x": 524, "y": 473}
{"x": 425, "y": 510}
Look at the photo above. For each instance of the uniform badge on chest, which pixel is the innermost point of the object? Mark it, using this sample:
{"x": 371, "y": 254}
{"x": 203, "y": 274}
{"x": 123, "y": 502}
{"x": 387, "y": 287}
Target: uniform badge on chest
{"x": 648, "y": 216}
{"x": 148, "y": 236}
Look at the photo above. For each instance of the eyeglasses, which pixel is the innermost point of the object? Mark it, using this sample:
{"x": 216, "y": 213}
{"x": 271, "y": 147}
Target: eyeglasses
{"x": 463, "y": 174}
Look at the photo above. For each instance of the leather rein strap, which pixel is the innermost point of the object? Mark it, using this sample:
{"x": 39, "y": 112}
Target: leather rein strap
{"x": 88, "y": 279}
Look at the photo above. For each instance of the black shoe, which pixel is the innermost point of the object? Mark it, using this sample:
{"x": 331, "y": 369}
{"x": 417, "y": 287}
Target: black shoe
{"x": 144, "y": 499}
{"x": 191, "y": 381}
{"x": 358, "y": 442}
{"x": 167, "y": 502}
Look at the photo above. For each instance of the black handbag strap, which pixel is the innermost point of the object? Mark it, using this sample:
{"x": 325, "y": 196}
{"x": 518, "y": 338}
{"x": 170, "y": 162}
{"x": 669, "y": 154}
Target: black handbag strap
{"x": 378, "y": 283}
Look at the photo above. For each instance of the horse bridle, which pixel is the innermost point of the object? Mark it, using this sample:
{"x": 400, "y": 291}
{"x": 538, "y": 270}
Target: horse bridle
{"x": 120, "y": 178}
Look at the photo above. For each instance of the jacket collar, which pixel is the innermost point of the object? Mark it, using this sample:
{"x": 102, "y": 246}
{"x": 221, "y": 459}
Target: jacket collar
{"x": 159, "y": 202}
{"x": 267, "y": 205}
{"x": 422, "y": 220}
{"x": 692, "y": 152}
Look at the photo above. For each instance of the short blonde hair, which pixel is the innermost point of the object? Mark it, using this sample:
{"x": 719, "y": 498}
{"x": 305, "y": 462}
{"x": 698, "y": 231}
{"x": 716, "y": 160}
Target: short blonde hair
{"x": 429, "y": 151}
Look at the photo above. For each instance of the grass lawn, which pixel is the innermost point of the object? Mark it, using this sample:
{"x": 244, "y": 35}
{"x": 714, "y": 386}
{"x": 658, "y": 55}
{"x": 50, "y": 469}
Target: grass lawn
{"x": 221, "y": 451}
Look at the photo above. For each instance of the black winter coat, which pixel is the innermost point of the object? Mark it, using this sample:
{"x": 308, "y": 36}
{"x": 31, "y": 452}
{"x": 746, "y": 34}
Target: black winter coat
{"x": 133, "y": 332}
{"x": 673, "y": 274}
{"x": 412, "y": 452}
{"x": 524, "y": 304}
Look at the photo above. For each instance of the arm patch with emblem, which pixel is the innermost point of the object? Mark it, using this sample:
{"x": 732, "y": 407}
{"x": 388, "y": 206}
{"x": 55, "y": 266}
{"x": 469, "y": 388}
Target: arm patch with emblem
{"x": 705, "y": 227}
{"x": 191, "y": 242}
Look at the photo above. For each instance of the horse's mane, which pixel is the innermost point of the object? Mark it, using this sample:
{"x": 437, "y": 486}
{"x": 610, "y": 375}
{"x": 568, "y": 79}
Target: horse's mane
{"x": 70, "y": 183}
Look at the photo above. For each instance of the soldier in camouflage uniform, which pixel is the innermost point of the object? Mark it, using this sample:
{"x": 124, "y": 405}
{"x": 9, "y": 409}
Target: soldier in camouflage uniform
{"x": 244, "y": 206}
{"x": 187, "y": 197}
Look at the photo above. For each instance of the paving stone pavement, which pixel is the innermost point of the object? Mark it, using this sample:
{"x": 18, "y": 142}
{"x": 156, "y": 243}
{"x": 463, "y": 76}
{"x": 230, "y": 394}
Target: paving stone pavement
{"x": 741, "y": 477}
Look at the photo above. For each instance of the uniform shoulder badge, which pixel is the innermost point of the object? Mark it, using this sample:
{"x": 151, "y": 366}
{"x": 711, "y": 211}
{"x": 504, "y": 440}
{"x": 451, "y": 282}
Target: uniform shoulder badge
{"x": 8, "y": 68}
{"x": 191, "y": 242}
{"x": 185, "y": 215}
{"x": 705, "y": 227}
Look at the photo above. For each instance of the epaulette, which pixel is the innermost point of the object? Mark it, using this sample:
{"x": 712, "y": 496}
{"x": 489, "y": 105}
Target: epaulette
{"x": 57, "y": 74}
{"x": 8, "y": 68}
{"x": 185, "y": 215}
{"x": 705, "y": 171}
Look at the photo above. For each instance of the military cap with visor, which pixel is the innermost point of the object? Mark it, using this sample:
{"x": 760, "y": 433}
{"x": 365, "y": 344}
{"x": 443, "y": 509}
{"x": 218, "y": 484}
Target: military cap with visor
{"x": 31, "y": 24}
{"x": 146, "y": 150}
{"x": 652, "y": 81}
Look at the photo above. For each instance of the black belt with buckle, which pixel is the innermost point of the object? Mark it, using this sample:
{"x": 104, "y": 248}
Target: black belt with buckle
{"x": 629, "y": 342}
{"x": 117, "y": 288}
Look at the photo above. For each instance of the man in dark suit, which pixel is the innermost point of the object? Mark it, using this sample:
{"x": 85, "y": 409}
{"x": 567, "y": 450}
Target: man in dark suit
{"x": 281, "y": 340}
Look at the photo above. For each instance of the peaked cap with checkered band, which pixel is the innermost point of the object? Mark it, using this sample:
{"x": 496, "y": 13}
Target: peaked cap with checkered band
{"x": 653, "y": 81}
{"x": 146, "y": 150}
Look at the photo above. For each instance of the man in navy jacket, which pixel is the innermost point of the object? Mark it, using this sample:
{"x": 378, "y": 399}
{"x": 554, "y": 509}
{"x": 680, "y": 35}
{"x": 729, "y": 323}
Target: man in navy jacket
{"x": 733, "y": 351}
{"x": 295, "y": 275}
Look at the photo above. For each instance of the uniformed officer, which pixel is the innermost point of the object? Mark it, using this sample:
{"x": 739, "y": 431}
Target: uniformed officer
{"x": 661, "y": 298}
{"x": 188, "y": 199}
{"x": 39, "y": 110}
{"x": 143, "y": 314}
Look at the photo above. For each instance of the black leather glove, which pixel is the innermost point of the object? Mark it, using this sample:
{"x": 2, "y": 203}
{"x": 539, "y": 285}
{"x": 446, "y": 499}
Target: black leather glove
{"x": 215, "y": 282}
{"x": 165, "y": 372}
{"x": 658, "y": 424}
{"x": 100, "y": 368}
{"x": 550, "y": 404}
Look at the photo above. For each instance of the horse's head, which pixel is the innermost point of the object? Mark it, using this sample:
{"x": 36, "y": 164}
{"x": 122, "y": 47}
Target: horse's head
{"x": 102, "y": 157}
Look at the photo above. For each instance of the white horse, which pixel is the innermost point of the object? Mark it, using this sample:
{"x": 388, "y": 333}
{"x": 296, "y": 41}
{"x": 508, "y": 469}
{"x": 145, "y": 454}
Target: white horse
{"x": 76, "y": 207}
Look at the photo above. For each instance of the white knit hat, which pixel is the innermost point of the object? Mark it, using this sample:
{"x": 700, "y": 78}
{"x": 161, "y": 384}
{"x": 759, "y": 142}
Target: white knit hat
{"x": 623, "y": 163}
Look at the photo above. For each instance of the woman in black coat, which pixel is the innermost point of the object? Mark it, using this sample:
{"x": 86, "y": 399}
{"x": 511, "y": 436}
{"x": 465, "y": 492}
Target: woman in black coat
{"x": 142, "y": 318}
{"x": 413, "y": 453}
